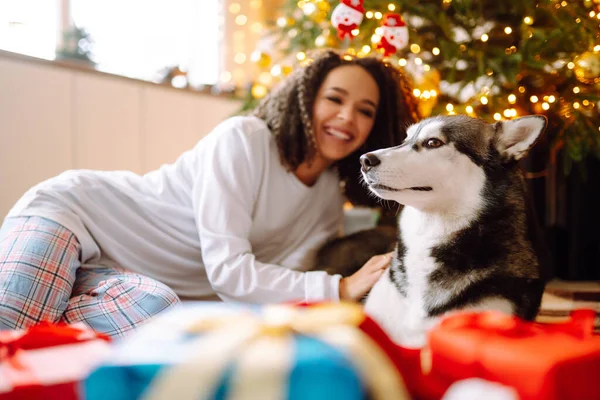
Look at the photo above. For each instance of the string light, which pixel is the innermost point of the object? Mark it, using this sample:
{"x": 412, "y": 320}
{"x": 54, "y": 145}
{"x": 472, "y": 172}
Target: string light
{"x": 533, "y": 99}
{"x": 265, "y": 78}
{"x": 484, "y": 37}
{"x": 276, "y": 70}
{"x": 586, "y": 103}
{"x": 521, "y": 89}
{"x": 402, "y": 62}
{"x": 545, "y": 106}
{"x": 497, "y": 116}
{"x": 528, "y": 20}
{"x": 576, "y": 89}
{"x": 564, "y": 4}
{"x": 415, "y": 48}
{"x": 369, "y": 14}
{"x": 225, "y": 76}
{"x": 576, "y": 105}
{"x": 484, "y": 100}
{"x": 512, "y": 99}
{"x": 436, "y": 51}
{"x": 378, "y": 15}
{"x": 597, "y": 48}
{"x": 240, "y": 58}
{"x": 449, "y": 107}
{"x": 508, "y": 30}
{"x": 355, "y": 32}
{"x": 391, "y": 7}
{"x": 551, "y": 99}
{"x": 256, "y": 27}
{"x": 301, "y": 56}
{"x": 418, "y": 61}
{"x": 416, "y": 92}
{"x": 469, "y": 109}
{"x": 241, "y": 20}
{"x": 309, "y": 8}
{"x": 366, "y": 49}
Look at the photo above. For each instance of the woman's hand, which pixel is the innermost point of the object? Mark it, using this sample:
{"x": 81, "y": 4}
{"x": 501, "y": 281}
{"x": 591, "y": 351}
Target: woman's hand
{"x": 355, "y": 286}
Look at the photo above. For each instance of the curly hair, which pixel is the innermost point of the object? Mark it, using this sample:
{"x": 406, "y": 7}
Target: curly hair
{"x": 288, "y": 113}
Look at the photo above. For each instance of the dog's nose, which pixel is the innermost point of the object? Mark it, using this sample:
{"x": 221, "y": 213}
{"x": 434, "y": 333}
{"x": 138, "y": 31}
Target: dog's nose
{"x": 369, "y": 161}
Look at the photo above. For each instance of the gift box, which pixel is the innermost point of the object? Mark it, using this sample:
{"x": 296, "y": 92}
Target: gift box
{"x": 540, "y": 361}
{"x": 48, "y": 361}
{"x": 227, "y": 351}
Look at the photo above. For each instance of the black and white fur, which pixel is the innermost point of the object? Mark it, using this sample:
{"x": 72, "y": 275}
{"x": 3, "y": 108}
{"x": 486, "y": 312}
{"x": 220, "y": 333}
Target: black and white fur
{"x": 463, "y": 239}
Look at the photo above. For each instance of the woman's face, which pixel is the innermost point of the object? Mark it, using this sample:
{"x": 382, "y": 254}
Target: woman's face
{"x": 344, "y": 112}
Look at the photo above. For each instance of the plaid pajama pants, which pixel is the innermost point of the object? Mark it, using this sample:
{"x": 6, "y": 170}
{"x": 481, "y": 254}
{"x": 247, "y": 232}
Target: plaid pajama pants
{"x": 43, "y": 279}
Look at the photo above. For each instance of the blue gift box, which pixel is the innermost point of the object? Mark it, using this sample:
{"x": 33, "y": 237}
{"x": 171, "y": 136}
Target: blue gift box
{"x": 318, "y": 370}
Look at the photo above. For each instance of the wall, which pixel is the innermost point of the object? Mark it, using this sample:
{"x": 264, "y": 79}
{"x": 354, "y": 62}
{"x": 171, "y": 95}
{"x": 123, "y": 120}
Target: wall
{"x": 54, "y": 118}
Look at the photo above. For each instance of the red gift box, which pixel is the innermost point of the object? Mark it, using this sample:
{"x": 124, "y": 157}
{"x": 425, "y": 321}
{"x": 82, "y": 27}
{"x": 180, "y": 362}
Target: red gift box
{"x": 541, "y": 361}
{"x": 48, "y": 361}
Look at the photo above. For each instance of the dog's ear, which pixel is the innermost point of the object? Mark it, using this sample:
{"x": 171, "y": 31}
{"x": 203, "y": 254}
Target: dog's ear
{"x": 514, "y": 138}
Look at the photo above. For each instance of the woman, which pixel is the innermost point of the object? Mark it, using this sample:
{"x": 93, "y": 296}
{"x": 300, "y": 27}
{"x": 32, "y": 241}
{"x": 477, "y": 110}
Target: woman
{"x": 238, "y": 217}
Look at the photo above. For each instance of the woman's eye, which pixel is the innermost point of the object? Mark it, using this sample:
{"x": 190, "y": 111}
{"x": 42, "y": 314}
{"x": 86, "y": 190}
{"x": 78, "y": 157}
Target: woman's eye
{"x": 335, "y": 99}
{"x": 367, "y": 113}
{"x": 433, "y": 143}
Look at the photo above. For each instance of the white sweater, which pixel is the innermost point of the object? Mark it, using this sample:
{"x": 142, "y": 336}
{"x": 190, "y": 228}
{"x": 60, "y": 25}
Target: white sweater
{"x": 225, "y": 218}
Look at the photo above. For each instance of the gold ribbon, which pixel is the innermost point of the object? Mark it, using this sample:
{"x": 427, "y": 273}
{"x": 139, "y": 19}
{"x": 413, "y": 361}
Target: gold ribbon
{"x": 261, "y": 346}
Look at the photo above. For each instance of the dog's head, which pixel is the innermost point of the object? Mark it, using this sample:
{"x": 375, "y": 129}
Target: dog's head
{"x": 444, "y": 159}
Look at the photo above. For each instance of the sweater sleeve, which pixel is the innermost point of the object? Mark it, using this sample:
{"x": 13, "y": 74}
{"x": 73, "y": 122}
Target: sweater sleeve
{"x": 224, "y": 194}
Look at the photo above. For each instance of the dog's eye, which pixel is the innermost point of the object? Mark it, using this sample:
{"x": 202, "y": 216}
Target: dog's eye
{"x": 433, "y": 143}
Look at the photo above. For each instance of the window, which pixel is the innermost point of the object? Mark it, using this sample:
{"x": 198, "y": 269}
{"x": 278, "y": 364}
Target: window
{"x": 134, "y": 38}
{"x": 30, "y": 27}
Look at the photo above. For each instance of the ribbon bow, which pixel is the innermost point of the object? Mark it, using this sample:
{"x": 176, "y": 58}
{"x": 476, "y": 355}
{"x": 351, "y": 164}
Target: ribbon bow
{"x": 44, "y": 334}
{"x": 264, "y": 342}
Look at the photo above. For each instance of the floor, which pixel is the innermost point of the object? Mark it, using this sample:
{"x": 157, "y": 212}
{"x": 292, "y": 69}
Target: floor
{"x": 561, "y": 297}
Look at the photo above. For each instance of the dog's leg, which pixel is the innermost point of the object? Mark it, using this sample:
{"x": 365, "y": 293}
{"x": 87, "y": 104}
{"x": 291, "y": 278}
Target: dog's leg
{"x": 388, "y": 307}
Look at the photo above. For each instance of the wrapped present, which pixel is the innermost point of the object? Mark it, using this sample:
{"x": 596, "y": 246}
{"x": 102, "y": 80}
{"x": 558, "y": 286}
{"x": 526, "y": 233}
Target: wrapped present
{"x": 231, "y": 351}
{"x": 48, "y": 361}
{"x": 540, "y": 361}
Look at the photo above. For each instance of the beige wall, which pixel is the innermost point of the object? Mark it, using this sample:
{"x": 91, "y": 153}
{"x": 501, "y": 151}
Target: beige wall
{"x": 54, "y": 118}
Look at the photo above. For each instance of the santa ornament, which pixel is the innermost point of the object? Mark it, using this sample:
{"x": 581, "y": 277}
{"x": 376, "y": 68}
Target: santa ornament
{"x": 347, "y": 16}
{"x": 394, "y": 34}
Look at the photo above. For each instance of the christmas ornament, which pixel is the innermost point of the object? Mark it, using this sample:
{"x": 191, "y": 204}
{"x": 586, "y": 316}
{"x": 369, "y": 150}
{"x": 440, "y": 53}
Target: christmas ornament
{"x": 587, "y": 67}
{"x": 394, "y": 35}
{"x": 347, "y": 16}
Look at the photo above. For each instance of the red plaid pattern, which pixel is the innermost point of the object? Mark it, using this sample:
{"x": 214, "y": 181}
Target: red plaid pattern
{"x": 42, "y": 279}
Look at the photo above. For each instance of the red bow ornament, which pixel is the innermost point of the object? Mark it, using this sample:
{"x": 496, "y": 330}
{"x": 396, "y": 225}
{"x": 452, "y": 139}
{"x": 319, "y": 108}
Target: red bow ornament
{"x": 48, "y": 360}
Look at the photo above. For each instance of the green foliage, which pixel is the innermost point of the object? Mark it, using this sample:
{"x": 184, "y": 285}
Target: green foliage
{"x": 77, "y": 45}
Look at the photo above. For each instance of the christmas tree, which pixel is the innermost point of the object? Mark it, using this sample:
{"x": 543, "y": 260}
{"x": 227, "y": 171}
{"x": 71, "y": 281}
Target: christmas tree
{"x": 490, "y": 59}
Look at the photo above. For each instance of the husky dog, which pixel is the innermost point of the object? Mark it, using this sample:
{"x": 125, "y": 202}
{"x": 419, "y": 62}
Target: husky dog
{"x": 463, "y": 240}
